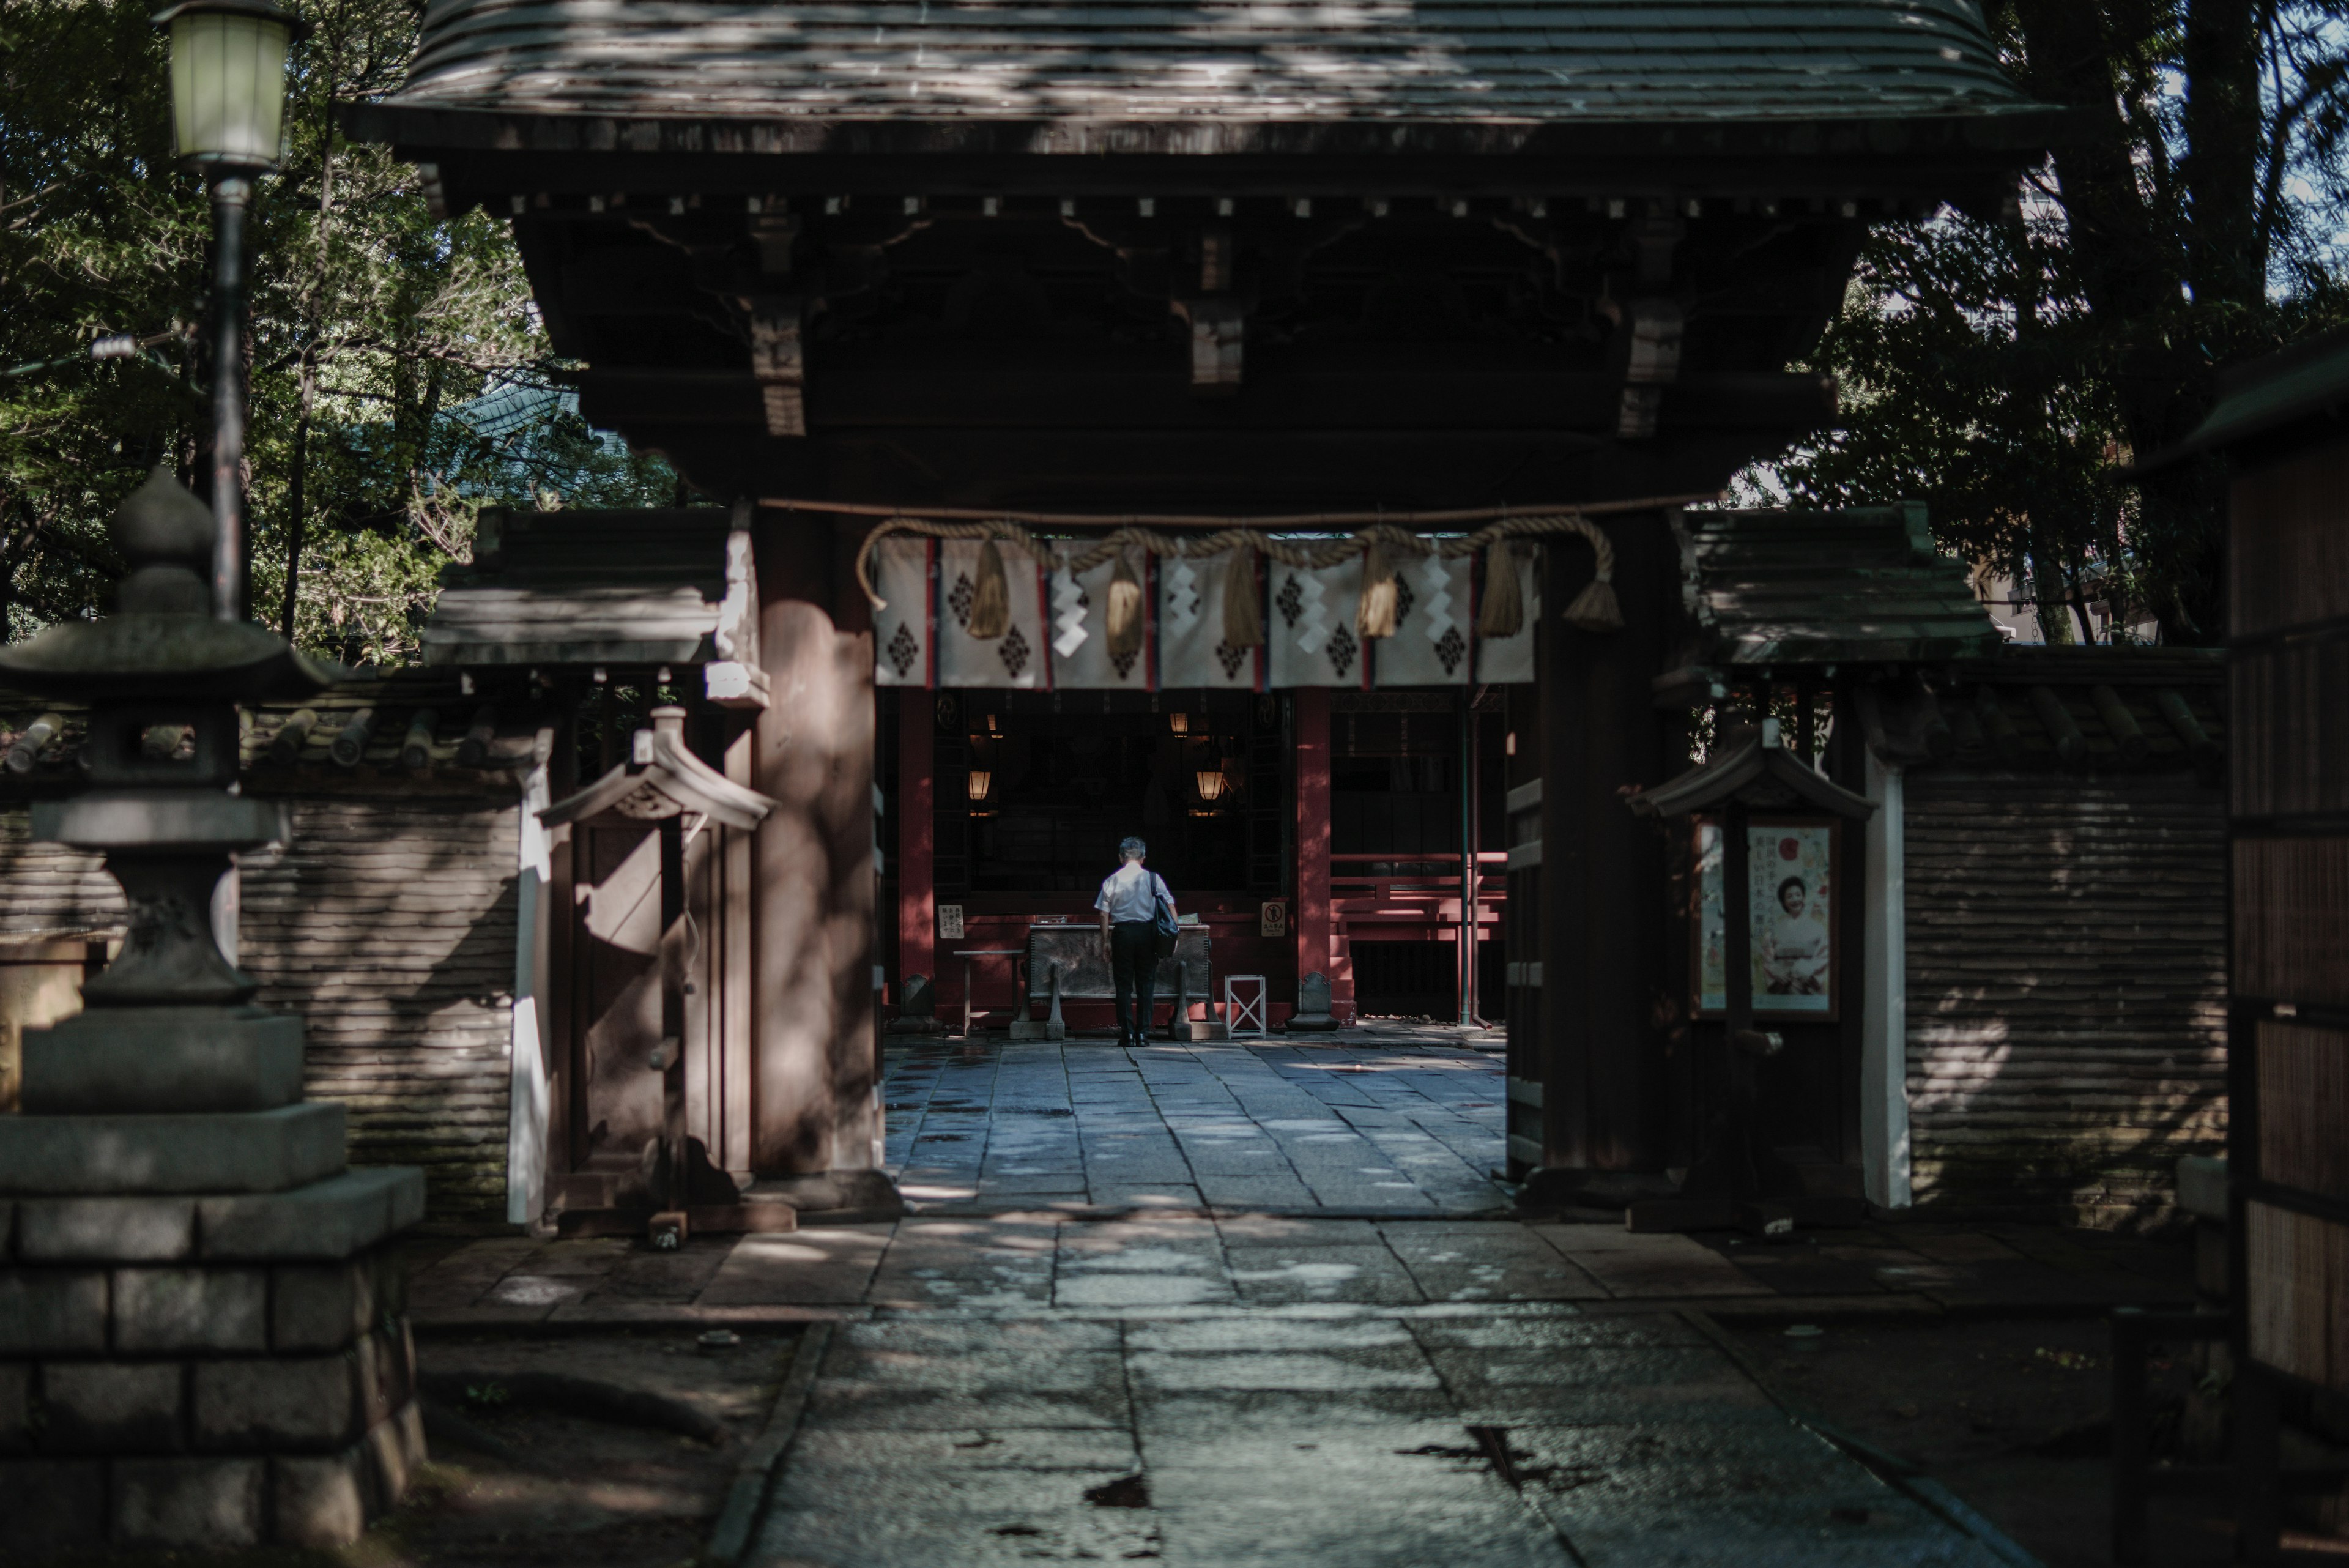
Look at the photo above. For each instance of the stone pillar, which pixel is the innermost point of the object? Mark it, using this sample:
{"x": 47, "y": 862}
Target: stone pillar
{"x": 195, "y": 1294}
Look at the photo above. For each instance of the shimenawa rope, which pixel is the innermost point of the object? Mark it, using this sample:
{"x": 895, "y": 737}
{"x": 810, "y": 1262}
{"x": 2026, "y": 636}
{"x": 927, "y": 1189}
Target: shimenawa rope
{"x": 1595, "y": 609}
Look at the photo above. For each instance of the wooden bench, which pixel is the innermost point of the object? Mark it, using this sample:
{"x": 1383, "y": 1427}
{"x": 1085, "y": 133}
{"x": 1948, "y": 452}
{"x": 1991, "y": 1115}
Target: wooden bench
{"x": 1066, "y": 964}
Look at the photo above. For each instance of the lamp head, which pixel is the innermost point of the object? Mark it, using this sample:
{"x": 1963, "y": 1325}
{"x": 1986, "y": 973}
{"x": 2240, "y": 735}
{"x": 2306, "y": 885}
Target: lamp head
{"x": 228, "y": 80}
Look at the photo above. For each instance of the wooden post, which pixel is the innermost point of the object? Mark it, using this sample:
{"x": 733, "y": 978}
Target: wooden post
{"x": 1737, "y": 969}
{"x": 815, "y": 1055}
{"x": 1311, "y": 913}
{"x": 669, "y": 1186}
{"x": 918, "y": 914}
{"x": 732, "y": 1150}
{"x": 1602, "y": 879}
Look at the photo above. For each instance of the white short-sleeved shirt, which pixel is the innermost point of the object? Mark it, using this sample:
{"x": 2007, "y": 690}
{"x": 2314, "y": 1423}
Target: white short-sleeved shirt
{"x": 1131, "y": 893}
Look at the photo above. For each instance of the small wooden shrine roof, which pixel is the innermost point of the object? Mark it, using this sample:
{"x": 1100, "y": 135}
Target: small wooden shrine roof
{"x": 665, "y": 779}
{"x": 1785, "y": 588}
{"x": 645, "y": 586}
{"x": 1757, "y": 769}
{"x": 1216, "y": 74}
{"x": 2306, "y": 384}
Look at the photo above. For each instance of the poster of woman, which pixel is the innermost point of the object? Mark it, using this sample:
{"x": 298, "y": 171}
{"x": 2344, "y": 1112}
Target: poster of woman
{"x": 1791, "y": 888}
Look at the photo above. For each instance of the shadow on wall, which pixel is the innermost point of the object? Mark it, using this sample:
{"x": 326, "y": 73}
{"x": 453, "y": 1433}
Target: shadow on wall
{"x": 389, "y": 925}
{"x": 2066, "y": 993}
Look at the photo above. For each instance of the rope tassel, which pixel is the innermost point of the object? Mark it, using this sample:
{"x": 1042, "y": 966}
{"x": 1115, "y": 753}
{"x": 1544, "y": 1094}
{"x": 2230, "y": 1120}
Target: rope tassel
{"x": 990, "y": 600}
{"x": 1503, "y": 613}
{"x": 1380, "y": 598}
{"x": 1124, "y": 618}
{"x": 1243, "y": 621}
{"x": 1595, "y": 609}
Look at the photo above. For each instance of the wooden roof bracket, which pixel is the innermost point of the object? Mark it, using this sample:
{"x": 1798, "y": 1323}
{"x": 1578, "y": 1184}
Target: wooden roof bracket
{"x": 735, "y": 679}
{"x": 1655, "y": 328}
{"x": 662, "y": 778}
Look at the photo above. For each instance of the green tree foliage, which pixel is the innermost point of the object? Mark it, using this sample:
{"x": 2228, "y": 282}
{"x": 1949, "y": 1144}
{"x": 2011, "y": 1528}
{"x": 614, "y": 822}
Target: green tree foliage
{"x": 400, "y": 378}
{"x": 2008, "y": 368}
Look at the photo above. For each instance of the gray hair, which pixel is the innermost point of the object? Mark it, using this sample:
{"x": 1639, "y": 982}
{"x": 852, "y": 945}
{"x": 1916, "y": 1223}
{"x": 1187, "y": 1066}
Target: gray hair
{"x": 1133, "y": 848}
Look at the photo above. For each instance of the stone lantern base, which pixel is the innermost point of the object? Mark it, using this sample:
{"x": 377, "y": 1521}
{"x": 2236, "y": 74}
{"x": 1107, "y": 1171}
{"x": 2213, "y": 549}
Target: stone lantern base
{"x": 224, "y": 1366}
{"x": 202, "y": 1341}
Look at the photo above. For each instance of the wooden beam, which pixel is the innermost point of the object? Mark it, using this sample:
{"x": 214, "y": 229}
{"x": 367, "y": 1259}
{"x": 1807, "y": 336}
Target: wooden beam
{"x": 1153, "y": 390}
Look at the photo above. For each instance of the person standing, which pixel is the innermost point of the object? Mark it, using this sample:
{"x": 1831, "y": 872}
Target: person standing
{"x": 1130, "y": 897}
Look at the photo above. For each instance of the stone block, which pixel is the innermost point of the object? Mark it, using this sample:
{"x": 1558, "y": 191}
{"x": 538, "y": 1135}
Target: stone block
{"x": 395, "y": 1450}
{"x": 162, "y": 1061}
{"x": 238, "y": 1151}
{"x": 51, "y": 1507}
{"x": 210, "y": 1502}
{"x": 277, "y": 1402}
{"x": 167, "y": 1312}
{"x": 321, "y": 1306}
{"x": 386, "y": 1368}
{"x": 47, "y": 1310}
{"x": 406, "y": 1196}
{"x": 335, "y": 1218}
{"x": 113, "y": 1406}
{"x": 15, "y": 1408}
{"x": 106, "y": 1230}
{"x": 2202, "y": 1187}
{"x": 321, "y": 1502}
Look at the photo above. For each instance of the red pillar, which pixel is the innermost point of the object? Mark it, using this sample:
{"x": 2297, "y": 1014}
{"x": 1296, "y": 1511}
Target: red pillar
{"x": 917, "y": 910}
{"x": 1316, "y": 947}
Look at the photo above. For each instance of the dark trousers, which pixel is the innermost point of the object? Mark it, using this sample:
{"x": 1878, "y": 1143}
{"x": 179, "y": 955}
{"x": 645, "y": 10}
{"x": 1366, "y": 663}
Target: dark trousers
{"x": 1134, "y": 966}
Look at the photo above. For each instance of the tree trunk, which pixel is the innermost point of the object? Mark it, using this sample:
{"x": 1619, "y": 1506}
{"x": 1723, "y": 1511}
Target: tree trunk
{"x": 2226, "y": 262}
{"x": 296, "y": 504}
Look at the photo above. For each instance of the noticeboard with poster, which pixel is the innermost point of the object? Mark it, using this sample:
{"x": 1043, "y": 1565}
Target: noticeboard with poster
{"x": 1793, "y": 880}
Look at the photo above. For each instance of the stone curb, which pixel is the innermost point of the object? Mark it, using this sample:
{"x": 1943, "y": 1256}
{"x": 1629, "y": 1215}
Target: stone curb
{"x": 1089, "y": 1214}
{"x": 536, "y": 1323}
{"x": 1897, "y": 1473}
{"x": 730, "y": 1537}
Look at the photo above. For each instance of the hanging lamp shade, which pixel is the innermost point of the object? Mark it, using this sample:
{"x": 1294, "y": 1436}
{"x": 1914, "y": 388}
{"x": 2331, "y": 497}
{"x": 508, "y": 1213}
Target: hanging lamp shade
{"x": 1211, "y": 785}
{"x": 228, "y": 80}
{"x": 981, "y": 781}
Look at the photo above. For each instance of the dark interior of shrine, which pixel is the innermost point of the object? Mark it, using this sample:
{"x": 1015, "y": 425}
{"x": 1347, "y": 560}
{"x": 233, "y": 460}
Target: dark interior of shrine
{"x": 1034, "y": 790}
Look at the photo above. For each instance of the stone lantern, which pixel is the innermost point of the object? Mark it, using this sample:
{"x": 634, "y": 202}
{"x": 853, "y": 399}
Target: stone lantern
{"x": 202, "y": 1335}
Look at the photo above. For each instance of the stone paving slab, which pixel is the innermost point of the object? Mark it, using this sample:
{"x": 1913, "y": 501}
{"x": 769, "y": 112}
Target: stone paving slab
{"x": 1316, "y": 1436}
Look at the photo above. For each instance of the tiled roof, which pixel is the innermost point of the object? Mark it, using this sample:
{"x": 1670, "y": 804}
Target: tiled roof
{"x": 1541, "y": 62}
{"x": 585, "y": 587}
{"x": 2304, "y": 382}
{"x": 1788, "y": 588}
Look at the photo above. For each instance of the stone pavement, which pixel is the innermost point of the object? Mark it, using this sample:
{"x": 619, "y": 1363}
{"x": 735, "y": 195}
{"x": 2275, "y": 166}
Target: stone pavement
{"x": 1399, "y": 1124}
{"x": 1260, "y": 1302}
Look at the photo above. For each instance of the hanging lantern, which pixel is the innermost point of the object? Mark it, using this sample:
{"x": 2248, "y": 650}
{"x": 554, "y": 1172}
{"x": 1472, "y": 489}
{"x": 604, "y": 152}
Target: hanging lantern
{"x": 1211, "y": 785}
{"x": 1180, "y": 723}
{"x": 981, "y": 781}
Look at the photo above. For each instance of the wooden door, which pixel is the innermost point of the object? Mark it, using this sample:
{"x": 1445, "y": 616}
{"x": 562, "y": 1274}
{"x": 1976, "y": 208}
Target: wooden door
{"x": 2288, "y": 1014}
{"x": 617, "y": 1006}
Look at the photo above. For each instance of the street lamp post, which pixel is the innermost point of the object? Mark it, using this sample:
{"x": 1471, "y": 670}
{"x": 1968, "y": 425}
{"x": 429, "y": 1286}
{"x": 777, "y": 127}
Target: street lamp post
{"x": 228, "y": 108}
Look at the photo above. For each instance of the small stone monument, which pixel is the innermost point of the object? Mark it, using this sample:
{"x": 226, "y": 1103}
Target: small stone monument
{"x": 1312, "y": 1015}
{"x": 202, "y": 1342}
{"x": 917, "y": 1007}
